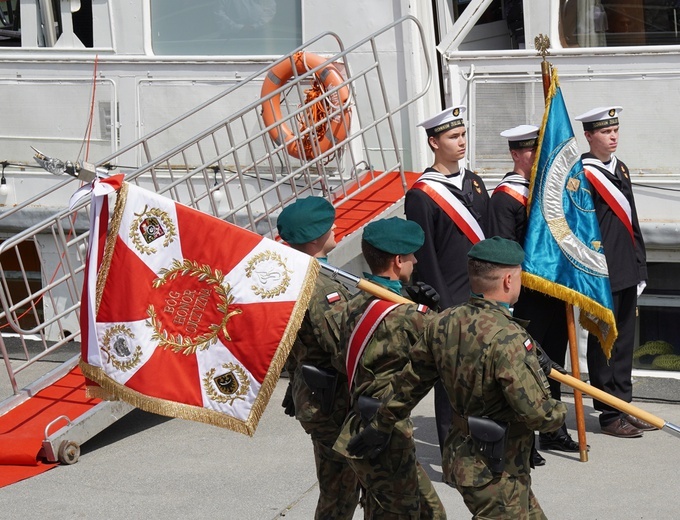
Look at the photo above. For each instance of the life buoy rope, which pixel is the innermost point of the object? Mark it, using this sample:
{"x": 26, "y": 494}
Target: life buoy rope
{"x": 330, "y": 116}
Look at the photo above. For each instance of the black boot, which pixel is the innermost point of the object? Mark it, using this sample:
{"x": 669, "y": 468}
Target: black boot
{"x": 559, "y": 440}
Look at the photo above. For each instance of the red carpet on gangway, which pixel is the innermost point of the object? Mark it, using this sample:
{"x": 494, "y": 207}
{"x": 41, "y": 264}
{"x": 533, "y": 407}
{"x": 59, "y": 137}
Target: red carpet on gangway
{"x": 22, "y": 429}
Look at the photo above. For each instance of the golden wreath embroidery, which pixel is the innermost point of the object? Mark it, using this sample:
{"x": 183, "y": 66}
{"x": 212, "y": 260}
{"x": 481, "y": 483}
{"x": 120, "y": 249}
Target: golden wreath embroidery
{"x": 268, "y": 268}
{"x": 150, "y": 225}
{"x": 231, "y": 385}
{"x": 116, "y": 345}
{"x": 186, "y": 343}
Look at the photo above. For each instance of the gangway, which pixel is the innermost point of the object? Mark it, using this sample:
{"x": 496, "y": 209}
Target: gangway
{"x": 233, "y": 170}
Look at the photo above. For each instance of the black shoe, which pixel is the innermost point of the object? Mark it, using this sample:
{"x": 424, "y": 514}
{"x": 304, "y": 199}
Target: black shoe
{"x": 536, "y": 458}
{"x": 558, "y": 440}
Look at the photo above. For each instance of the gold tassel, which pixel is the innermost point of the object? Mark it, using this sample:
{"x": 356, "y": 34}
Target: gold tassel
{"x": 285, "y": 346}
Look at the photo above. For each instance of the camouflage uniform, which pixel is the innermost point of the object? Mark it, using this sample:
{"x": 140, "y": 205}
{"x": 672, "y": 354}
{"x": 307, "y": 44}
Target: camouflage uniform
{"x": 396, "y": 485}
{"x": 488, "y": 366}
{"x": 317, "y": 344}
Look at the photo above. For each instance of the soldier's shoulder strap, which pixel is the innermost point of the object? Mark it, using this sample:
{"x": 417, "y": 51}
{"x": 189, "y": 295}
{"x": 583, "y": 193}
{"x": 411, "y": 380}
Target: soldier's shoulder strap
{"x": 374, "y": 314}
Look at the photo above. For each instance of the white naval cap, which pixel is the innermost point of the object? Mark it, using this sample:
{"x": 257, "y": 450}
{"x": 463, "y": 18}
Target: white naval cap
{"x": 600, "y": 117}
{"x": 447, "y": 119}
{"x": 522, "y": 136}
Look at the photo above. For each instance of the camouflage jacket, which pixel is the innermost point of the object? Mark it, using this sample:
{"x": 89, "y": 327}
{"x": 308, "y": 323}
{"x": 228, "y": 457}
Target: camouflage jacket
{"x": 385, "y": 355}
{"x": 488, "y": 365}
{"x": 317, "y": 344}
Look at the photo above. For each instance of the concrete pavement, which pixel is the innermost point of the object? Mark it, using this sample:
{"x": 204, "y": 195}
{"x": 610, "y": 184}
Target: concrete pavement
{"x": 152, "y": 467}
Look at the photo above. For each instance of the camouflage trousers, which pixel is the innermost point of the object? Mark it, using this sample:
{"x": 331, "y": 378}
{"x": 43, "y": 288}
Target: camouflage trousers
{"x": 338, "y": 484}
{"x": 397, "y": 487}
{"x": 503, "y": 498}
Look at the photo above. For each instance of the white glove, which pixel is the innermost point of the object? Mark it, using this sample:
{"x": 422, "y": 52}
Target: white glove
{"x": 641, "y": 287}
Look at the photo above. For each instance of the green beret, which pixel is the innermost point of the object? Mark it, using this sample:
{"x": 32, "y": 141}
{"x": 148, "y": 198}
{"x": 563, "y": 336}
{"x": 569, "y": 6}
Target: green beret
{"x": 305, "y": 220}
{"x": 395, "y": 235}
{"x": 498, "y": 250}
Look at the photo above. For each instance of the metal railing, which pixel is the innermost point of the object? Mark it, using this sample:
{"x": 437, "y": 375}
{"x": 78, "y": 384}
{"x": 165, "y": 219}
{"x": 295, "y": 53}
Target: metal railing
{"x": 232, "y": 170}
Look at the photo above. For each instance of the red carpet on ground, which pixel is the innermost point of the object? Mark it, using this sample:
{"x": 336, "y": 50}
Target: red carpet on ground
{"x": 22, "y": 429}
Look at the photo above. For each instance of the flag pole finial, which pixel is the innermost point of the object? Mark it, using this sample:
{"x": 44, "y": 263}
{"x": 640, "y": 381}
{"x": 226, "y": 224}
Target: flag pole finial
{"x": 542, "y": 44}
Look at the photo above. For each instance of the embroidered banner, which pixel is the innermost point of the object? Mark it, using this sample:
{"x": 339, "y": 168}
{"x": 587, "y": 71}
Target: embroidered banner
{"x": 563, "y": 245}
{"x": 186, "y": 315}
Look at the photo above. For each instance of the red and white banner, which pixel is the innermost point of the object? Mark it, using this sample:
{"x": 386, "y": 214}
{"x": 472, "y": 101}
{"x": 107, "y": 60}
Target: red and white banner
{"x": 186, "y": 315}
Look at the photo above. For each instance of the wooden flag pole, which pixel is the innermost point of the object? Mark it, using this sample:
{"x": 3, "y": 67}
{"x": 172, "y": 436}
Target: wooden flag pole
{"x": 576, "y": 373}
{"x": 542, "y": 44}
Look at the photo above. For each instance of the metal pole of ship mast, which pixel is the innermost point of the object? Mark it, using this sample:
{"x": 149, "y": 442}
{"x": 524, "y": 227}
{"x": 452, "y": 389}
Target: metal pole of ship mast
{"x": 542, "y": 44}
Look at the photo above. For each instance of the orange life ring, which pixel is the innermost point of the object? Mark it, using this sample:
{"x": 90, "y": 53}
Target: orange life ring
{"x": 338, "y": 121}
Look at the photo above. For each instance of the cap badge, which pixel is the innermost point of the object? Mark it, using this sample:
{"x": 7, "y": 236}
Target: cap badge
{"x": 612, "y": 112}
{"x": 456, "y": 112}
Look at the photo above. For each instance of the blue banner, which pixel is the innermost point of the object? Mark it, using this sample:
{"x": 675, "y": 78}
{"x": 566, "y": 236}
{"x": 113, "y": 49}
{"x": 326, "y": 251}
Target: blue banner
{"x": 563, "y": 245}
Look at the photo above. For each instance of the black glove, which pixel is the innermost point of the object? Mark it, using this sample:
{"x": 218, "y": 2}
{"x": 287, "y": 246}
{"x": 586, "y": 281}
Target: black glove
{"x": 424, "y": 294}
{"x": 368, "y": 443}
{"x": 288, "y": 403}
{"x": 546, "y": 363}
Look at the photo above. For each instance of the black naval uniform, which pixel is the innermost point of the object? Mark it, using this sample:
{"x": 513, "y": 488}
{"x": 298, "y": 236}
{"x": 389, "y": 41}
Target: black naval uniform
{"x": 442, "y": 261}
{"x": 626, "y": 261}
{"x": 547, "y": 315}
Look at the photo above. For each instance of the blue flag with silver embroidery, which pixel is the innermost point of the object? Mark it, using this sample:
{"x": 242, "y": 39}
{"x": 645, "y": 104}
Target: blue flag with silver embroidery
{"x": 563, "y": 245}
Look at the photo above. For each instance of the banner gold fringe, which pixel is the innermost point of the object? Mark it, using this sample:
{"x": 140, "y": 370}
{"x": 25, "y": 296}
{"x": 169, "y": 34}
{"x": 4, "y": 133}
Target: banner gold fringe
{"x": 162, "y": 406}
{"x": 551, "y": 94}
{"x": 581, "y": 301}
{"x": 97, "y": 392}
{"x": 285, "y": 346}
{"x": 121, "y": 199}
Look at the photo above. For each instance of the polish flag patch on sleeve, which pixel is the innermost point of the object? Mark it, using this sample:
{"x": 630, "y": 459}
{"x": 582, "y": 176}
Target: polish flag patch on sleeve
{"x": 333, "y": 297}
{"x": 422, "y": 308}
{"x": 528, "y": 344}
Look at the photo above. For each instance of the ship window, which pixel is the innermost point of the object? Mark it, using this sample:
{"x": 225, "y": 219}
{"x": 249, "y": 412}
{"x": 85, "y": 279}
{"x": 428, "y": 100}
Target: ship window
{"x": 658, "y": 345}
{"x": 225, "y": 27}
{"x": 10, "y": 26}
{"x": 610, "y": 23}
{"x": 69, "y": 23}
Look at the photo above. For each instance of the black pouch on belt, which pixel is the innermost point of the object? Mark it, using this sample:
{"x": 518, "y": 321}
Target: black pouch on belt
{"x": 489, "y": 437}
{"x": 323, "y": 383}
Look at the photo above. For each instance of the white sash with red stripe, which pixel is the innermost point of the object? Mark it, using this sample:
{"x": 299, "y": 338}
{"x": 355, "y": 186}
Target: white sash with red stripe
{"x": 516, "y": 186}
{"x": 362, "y": 333}
{"x": 616, "y": 200}
{"x": 453, "y": 207}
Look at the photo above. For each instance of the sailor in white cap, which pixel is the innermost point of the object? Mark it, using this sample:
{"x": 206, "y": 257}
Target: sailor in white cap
{"x": 546, "y": 315}
{"x": 508, "y": 213}
{"x": 451, "y": 205}
{"x": 624, "y": 250}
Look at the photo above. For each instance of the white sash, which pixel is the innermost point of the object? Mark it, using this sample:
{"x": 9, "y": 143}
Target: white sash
{"x": 453, "y": 207}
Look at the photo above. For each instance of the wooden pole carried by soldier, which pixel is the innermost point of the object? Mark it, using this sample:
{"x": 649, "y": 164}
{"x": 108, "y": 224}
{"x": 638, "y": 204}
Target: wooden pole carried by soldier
{"x": 572, "y": 382}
